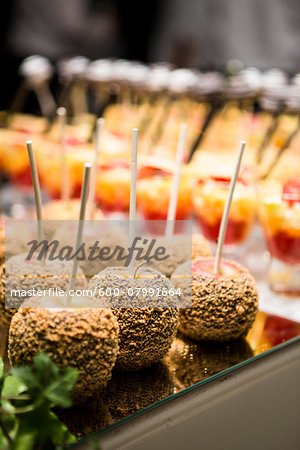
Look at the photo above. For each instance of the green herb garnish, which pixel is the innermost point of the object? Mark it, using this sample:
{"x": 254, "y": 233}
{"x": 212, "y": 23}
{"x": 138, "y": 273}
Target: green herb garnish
{"x": 27, "y": 398}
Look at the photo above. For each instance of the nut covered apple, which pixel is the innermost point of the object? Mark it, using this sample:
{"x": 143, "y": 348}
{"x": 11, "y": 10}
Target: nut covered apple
{"x": 224, "y": 305}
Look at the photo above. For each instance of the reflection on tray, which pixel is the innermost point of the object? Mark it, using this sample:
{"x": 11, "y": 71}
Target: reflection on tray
{"x": 191, "y": 361}
{"x": 268, "y": 331}
{"x": 126, "y": 393}
{"x": 187, "y": 363}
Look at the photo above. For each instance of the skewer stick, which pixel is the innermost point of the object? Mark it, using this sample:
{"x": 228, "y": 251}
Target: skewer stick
{"x": 83, "y": 202}
{"x": 225, "y": 216}
{"x": 175, "y": 185}
{"x": 91, "y": 199}
{"x": 281, "y": 151}
{"x": 61, "y": 113}
{"x": 269, "y": 134}
{"x": 216, "y": 106}
{"x": 132, "y": 207}
{"x": 45, "y": 99}
{"x": 36, "y": 188}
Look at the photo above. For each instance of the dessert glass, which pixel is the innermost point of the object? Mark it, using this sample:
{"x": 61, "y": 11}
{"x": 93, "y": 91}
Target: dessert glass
{"x": 49, "y": 168}
{"x": 15, "y": 158}
{"x": 13, "y": 139}
{"x": 112, "y": 190}
{"x": 279, "y": 212}
{"x": 209, "y": 198}
{"x": 50, "y": 165}
{"x": 153, "y": 195}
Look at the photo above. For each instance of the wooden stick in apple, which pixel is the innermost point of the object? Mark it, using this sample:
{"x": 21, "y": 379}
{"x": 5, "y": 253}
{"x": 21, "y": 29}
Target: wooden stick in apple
{"x": 61, "y": 113}
{"x": 36, "y": 188}
{"x": 175, "y": 185}
{"x": 83, "y": 201}
{"x": 132, "y": 206}
{"x": 225, "y": 216}
{"x": 91, "y": 199}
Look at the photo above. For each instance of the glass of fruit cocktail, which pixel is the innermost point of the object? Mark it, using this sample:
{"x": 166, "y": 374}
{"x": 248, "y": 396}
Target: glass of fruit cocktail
{"x": 112, "y": 190}
{"x": 279, "y": 211}
{"x": 49, "y": 162}
{"x": 209, "y": 198}
{"x": 14, "y": 152}
{"x": 49, "y": 168}
{"x": 76, "y": 157}
{"x": 15, "y": 158}
{"x": 154, "y": 182}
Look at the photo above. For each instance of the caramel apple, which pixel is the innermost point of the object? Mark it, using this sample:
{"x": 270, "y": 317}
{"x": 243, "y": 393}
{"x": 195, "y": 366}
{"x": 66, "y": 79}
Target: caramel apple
{"x": 83, "y": 336}
{"x": 19, "y": 275}
{"x": 148, "y": 324}
{"x": 224, "y": 305}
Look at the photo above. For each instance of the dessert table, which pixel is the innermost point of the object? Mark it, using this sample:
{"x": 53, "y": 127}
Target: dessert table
{"x": 240, "y": 394}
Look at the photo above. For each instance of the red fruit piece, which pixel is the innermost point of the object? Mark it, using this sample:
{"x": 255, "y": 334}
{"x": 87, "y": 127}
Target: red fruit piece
{"x": 73, "y": 141}
{"x": 223, "y": 180}
{"x": 117, "y": 164}
{"x": 149, "y": 172}
{"x": 226, "y": 180}
{"x": 291, "y": 191}
{"x": 118, "y": 134}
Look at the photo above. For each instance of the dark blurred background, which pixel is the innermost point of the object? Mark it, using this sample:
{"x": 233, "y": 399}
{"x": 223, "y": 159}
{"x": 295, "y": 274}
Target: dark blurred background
{"x": 57, "y": 29}
{"x": 192, "y": 33}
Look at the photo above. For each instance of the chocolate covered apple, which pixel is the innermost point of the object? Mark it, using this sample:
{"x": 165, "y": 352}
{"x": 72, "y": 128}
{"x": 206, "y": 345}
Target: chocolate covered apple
{"x": 96, "y": 236}
{"x": 84, "y": 336}
{"x": 224, "y": 305}
{"x": 146, "y": 311}
{"x": 20, "y": 275}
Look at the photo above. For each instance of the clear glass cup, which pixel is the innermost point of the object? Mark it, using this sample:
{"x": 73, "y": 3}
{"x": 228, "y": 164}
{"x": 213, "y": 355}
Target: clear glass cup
{"x": 15, "y": 157}
{"x": 15, "y": 161}
{"x": 279, "y": 212}
{"x": 209, "y": 198}
{"x": 153, "y": 195}
{"x": 112, "y": 190}
{"x": 49, "y": 168}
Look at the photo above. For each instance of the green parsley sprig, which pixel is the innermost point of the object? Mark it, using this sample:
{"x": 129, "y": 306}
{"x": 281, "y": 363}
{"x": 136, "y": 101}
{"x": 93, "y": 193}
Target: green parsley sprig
{"x": 27, "y": 398}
